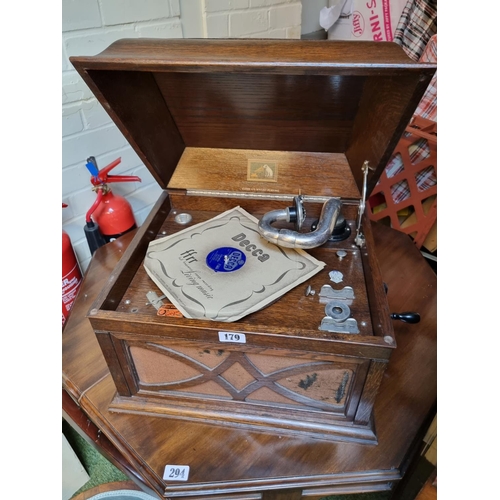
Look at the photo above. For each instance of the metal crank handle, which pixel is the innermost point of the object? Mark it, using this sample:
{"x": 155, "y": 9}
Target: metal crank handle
{"x": 407, "y": 317}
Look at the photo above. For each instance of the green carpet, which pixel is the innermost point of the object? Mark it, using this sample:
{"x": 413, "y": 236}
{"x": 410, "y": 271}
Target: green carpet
{"x": 101, "y": 471}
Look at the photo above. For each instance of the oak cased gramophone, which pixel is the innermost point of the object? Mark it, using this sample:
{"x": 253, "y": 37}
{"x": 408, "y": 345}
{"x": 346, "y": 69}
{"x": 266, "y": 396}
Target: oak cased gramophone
{"x": 285, "y": 138}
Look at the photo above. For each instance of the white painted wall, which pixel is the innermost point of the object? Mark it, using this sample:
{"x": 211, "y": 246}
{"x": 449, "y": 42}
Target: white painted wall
{"x": 310, "y": 15}
{"x": 252, "y": 18}
{"x": 88, "y": 27}
{"x": 192, "y": 18}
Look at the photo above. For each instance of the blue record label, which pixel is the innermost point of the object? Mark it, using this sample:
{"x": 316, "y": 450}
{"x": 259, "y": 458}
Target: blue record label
{"x": 226, "y": 259}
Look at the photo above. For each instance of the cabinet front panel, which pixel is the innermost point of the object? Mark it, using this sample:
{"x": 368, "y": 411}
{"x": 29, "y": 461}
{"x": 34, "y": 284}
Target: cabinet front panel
{"x": 248, "y": 380}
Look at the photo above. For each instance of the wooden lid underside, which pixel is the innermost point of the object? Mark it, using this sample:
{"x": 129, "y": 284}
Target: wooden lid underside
{"x": 353, "y": 98}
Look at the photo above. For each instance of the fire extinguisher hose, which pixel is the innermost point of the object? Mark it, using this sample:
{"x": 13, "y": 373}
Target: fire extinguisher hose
{"x": 91, "y": 210}
{"x": 94, "y": 237}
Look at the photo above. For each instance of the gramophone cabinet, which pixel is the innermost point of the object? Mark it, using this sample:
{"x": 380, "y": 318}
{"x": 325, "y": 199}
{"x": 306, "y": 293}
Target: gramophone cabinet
{"x": 204, "y": 116}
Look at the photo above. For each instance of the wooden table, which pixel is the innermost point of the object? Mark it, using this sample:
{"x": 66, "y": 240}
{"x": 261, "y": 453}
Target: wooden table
{"x": 228, "y": 463}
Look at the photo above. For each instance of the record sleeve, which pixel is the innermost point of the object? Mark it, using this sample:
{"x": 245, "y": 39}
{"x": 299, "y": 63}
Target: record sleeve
{"x": 223, "y": 270}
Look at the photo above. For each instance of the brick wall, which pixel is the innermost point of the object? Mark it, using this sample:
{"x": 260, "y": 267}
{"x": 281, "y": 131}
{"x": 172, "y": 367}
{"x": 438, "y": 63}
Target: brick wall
{"x": 252, "y": 18}
{"x": 89, "y": 26}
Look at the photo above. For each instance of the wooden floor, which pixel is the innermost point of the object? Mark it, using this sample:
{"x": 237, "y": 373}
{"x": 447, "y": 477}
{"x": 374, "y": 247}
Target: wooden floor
{"x": 428, "y": 492}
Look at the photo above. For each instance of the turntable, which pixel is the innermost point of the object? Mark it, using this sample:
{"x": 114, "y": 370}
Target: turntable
{"x": 293, "y": 135}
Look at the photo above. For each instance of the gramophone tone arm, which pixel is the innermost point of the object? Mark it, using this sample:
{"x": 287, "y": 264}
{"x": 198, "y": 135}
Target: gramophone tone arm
{"x": 293, "y": 239}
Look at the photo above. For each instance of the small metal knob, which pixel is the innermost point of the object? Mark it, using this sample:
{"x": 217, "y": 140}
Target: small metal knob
{"x": 341, "y": 254}
{"x": 309, "y": 291}
{"x": 183, "y": 219}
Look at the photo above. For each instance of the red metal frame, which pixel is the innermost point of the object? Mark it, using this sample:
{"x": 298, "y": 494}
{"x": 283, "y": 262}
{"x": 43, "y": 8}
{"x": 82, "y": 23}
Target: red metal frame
{"x": 419, "y": 128}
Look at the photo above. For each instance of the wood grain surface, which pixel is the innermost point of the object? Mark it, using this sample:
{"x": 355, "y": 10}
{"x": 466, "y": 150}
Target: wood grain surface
{"x": 289, "y": 327}
{"x": 226, "y": 170}
{"x": 314, "y": 96}
{"x": 277, "y": 56}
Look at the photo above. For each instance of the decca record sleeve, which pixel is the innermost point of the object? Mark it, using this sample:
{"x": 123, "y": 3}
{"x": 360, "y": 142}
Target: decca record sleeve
{"x": 223, "y": 270}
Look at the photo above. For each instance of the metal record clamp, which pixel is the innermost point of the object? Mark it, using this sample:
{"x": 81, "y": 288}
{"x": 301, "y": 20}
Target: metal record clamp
{"x": 337, "y": 318}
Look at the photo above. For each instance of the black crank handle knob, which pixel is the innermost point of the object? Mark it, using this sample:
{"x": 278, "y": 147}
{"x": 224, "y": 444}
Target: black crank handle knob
{"x": 407, "y": 317}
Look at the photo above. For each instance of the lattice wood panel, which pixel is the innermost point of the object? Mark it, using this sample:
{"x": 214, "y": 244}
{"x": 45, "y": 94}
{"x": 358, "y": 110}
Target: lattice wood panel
{"x": 240, "y": 376}
{"x": 408, "y": 186}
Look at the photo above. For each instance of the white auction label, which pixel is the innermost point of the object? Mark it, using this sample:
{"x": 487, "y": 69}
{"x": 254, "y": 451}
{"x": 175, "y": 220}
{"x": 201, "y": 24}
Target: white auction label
{"x": 176, "y": 472}
{"x": 232, "y": 337}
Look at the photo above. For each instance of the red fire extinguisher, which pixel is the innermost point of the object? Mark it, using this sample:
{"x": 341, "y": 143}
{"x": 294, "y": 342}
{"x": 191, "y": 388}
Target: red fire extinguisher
{"x": 71, "y": 275}
{"x": 110, "y": 216}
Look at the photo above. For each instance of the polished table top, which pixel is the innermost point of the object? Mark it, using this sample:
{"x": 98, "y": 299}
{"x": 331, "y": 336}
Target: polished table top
{"x": 233, "y": 463}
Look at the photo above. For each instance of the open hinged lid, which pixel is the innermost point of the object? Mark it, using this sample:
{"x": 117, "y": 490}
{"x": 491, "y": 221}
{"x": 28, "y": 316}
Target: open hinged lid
{"x": 349, "y": 100}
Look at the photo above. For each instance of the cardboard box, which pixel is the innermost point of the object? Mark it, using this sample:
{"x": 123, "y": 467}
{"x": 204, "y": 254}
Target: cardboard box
{"x": 374, "y": 20}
